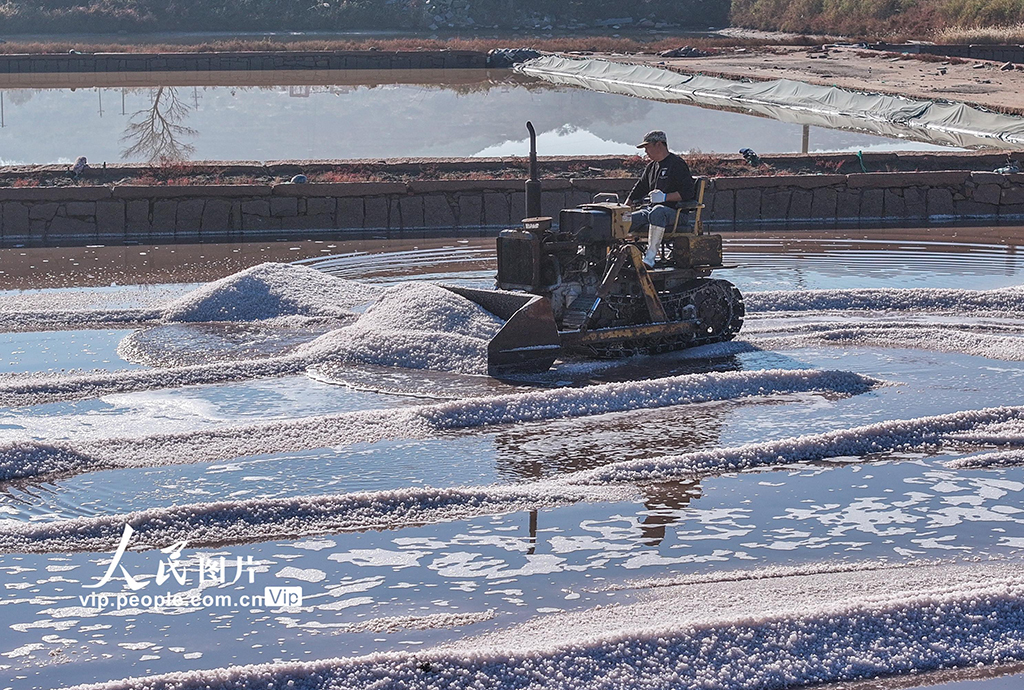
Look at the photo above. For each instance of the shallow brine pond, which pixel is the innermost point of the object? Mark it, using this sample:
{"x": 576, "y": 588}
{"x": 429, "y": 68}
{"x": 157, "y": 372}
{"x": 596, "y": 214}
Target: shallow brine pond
{"x": 837, "y": 494}
{"x": 364, "y": 114}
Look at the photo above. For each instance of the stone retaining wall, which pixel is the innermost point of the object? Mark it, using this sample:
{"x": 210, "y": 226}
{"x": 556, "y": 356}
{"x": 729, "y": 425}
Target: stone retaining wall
{"x": 240, "y": 61}
{"x": 867, "y": 199}
{"x": 136, "y": 214}
{"x": 998, "y": 53}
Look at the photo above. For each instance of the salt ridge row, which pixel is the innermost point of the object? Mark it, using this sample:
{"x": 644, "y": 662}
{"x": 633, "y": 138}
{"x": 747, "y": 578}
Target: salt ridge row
{"x": 261, "y": 519}
{"x": 796, "y": 631}
{"x": 22, "y": 459}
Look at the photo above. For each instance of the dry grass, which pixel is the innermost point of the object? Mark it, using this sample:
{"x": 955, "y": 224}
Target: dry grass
{"x": 715, "y": 165}
{"x": 707, "y": 164}
{"x": 981, "y": 34}
{"x": 861, "y": 19}
{"x": 942, "y": 21}
{"x": 602, "y": 44}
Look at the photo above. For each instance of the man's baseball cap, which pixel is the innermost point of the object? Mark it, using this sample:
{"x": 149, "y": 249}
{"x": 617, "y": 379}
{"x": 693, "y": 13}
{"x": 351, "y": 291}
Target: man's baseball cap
{"x": 653, "y": 138}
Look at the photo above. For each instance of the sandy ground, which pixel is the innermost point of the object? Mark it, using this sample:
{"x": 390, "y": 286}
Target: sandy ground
{"x": 975, "y": 82}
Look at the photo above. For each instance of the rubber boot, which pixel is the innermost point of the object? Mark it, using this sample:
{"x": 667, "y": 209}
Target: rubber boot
{"x": 654, "y": 235}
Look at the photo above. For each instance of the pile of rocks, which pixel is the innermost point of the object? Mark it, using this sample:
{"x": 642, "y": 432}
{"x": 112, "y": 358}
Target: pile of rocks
{"x": 448, "y": 14}
{"x": 684, "y": 52}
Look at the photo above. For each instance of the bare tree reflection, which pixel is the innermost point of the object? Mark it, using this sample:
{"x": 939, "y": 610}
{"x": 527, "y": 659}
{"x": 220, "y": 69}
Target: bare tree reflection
{"x": 156, "y": 133}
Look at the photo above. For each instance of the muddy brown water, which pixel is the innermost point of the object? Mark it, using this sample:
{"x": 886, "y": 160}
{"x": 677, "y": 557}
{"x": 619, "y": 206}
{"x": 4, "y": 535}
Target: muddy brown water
{"x": 100, "y": 265}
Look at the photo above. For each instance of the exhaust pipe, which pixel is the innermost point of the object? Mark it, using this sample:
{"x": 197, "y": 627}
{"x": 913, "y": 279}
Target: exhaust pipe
{"x": 532, "y": 184}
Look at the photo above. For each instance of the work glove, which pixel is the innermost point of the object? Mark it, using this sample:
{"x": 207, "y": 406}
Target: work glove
{"x": 657, "y": 197}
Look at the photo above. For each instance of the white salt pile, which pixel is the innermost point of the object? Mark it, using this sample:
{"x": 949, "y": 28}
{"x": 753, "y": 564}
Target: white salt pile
{"x": 269, "y": 291}
{"x": 1002, "y": 301}
{"x": 1000, "y": 458}
{"x": 416, "y": 326}
{"x": 949, "y": 338}
{"x": 1009, "y": 432}
{"x": 428, "y": 308}
{"x": 751, "y": 633}
{"x": 412, "y": 325}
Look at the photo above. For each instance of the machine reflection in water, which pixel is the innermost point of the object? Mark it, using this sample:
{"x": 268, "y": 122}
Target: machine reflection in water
{"x": 554, "y": 448}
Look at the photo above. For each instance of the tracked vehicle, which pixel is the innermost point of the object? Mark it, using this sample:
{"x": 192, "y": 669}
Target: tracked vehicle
{"x": 582, "y": 287}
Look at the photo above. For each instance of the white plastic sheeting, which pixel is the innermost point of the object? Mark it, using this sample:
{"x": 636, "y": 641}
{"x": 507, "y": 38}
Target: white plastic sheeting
{"x": 947, "y": 124}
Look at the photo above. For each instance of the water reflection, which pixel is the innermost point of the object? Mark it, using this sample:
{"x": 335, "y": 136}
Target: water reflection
{"x": 156, "y": 133}
{"x": 556, "y": 447}
{"x": 663, "y": 502}
{"x": 359, "y": 114}
{"x": 663, "y": 507}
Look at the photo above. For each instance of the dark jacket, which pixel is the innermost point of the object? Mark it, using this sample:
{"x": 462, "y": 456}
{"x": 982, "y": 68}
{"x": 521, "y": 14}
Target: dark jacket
{"x": 671, "y": 174}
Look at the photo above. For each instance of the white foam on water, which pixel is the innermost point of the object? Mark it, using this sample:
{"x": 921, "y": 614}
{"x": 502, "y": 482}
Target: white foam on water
{"x": 304, "y": 574}
{"x": 791, "y": 631}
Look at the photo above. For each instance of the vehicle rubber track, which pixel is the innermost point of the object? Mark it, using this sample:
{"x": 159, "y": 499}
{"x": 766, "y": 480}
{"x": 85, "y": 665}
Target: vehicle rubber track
{"x": 716, "y": 305}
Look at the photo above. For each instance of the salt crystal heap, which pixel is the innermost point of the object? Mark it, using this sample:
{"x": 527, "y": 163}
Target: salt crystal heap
{"x": 269, "y": 291}
{"x": 417, "y": 326}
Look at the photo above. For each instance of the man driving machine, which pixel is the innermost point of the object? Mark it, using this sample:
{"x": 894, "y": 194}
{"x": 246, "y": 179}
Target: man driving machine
{"x": 665, "y": 182}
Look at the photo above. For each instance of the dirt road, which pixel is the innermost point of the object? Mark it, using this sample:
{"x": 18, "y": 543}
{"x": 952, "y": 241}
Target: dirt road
{"x": 975, "y": 82}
